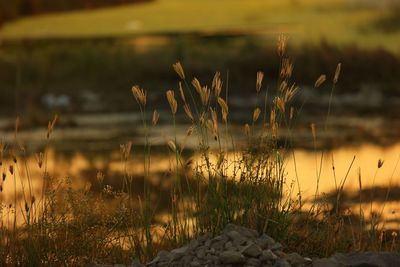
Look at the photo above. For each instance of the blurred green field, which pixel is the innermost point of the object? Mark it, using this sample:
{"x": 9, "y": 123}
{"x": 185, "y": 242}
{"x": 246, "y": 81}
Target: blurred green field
{"x": 339, "y": 22}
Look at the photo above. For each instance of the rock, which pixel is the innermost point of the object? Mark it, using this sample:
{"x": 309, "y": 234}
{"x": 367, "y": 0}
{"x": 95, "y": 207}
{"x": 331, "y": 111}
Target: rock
{"x": 239, "y": 246}
{"x": 246, "y": 232}
{"x": 237, "y": 239}
{"x": 281, "y": 263}
{"x": 295, "y": 259}
{"x": 201, "y": 252}
{"x": 268, "y": 255}
{"x": 231, "y": 257}
{"x": 136, "y": 263}
{"x": 251, "y": 250}
{"x": 265, "y": 241}
{"x": 368, "y": 259}
{"x": 276, "y": 246}
{"x": 253, "y": 262}
{"x": 326, "y": 263}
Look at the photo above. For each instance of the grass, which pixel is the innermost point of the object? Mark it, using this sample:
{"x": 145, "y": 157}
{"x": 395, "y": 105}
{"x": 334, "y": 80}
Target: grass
{"x": 336, "y": 21}
{"x": 222, "y": 181}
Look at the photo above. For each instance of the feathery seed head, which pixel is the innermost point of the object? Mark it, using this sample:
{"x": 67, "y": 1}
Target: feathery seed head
{"x": 281, "y": 46}
{"x": 188, "y": 112}
{"x": 179, "y": 70}
{"x": 380, "y": 163}
{"x": 321, "y": 79}
{"x": 224, "y": 109}
{"x": 247, "y": 130}
{"x": 205, "y": 95}
{"x": 172, "y": 102}
{"x": 140, "y": 95}
{"x": 126, "y": 150}
{"x": 260, "y": 77}
{"x": 197, "y": 85}
{"x": 313, "y": 130}
{"x": 172, "y": 145}
{"x": 50, "y": 126}
{"x": 286, "y": 69}
{"x": 181, "y": 92}
{"x": 155, "y": 118}
{"x": 337, "y": 73}
{"x": 39, "y": 159}
{"x": 217, "y": 84}
{"x": 280, "y": 104}
{"x": 256, "y": 114}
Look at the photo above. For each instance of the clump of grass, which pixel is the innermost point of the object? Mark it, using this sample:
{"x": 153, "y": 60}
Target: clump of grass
{"x": 222, "y": 180}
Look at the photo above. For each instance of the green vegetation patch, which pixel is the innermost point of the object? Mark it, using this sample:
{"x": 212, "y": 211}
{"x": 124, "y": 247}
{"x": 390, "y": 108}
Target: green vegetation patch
{"x": 337, "y": 21}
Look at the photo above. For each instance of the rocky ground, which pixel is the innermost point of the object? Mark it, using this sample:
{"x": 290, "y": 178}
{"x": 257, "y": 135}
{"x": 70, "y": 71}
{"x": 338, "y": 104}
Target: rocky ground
{"x": 239, "y": 246}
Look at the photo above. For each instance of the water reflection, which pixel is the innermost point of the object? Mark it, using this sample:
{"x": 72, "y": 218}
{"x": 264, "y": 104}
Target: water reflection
{"x": 380, "y": 191}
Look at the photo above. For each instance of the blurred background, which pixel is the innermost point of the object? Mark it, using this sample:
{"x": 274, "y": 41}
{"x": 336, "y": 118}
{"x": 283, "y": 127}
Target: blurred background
{"x": 80, "y": 58}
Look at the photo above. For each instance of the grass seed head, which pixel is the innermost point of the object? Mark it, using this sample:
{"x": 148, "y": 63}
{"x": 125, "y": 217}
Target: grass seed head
{"x": 321, "y": 79}
{"x": 39, "y": 159}
{"x": 126, "y": 150}
{"x": 196, "y": 84}
{"x": 179, "y": 70}
{"x": 380, "y": 163}
{"x": 205, "y": 95}
{"x": 313, "y": 130}
{"x": 337, "y": 73}
{"x": 217, "y": 84}
{"x": 291, "y": 113}
{"x": 50, "y": 126}
{"x": 256, "y": 114}
{"x": 172, "y": 101}
{"x": 224, "y": 109}
{"x": 260, "y": 77}
{"x": 140, "y": 95}
{"x": 290, "y": 93}
{"x": 280, "y": 104}
{"x": 182, "y": 93}
{"x": 247, "y": 130}
{"x": 171, "y": 145}
{"x": 281, "y": 45}
{"x": 214, "y": 119}
{"x": 188, "y": 112}
{"x": 286, "y": 69}
{"x": 155, "y": 118}
{"x": 100, "y": 177}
